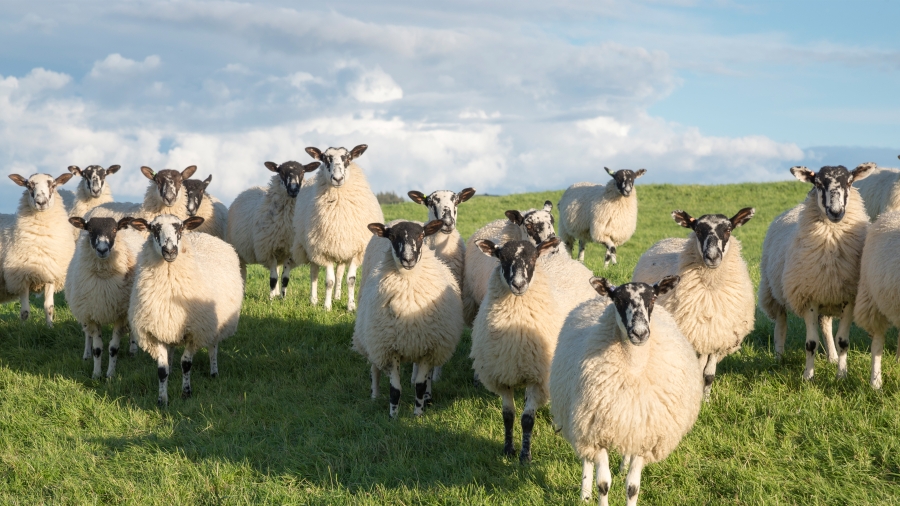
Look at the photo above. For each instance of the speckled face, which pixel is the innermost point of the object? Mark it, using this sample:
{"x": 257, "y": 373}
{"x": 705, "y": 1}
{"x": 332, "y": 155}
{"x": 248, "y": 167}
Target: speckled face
{"x": 538, "y": 224}
{"x": 634, "y": 304}
{"x": 166, "y": 231}
{"x": 443, "y": 205}
{"x": 335, "y": 162}
{"x": 93, "y": 177}
{"x": 194, "y": 190}
{"x": 41, "y": 188}
{"x": 625, "y": 179}
{"x": 517, "y": 260}
{"x": 712, "y": 232}
{"x": 168, "y": 182}
{"x": 832, "y": 185}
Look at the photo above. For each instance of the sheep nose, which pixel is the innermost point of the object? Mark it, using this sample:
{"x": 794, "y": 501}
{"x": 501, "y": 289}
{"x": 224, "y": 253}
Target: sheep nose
{"x": 103, "y": 250}
{"x": 338, "y": 180}
{"x": 293, "y": 189}
{"x": 519, "y": 285}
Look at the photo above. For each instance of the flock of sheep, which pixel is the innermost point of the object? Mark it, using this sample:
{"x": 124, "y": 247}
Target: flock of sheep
{"x": 627, "y": 367}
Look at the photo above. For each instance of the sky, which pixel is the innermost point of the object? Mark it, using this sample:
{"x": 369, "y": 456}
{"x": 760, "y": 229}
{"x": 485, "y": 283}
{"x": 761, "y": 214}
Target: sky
{"x": 505, "y": 97}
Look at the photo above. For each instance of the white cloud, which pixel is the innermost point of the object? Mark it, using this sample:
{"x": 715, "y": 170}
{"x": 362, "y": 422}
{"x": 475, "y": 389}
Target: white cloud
{"x": 117, "y": 65}
{"x": 375, "y": 86}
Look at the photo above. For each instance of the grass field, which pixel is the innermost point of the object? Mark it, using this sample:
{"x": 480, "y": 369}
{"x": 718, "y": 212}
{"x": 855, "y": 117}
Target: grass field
{"x": 289, "y": 419}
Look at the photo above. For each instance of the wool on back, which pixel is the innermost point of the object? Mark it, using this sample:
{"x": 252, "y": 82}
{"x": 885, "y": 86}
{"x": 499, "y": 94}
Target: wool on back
{"x": 880, "y": 191}
{"x": 273, "y": 232}
{"x": 98, "y": 289}
{"x": 41, "y": 248}
{"x": 878, "y": 301}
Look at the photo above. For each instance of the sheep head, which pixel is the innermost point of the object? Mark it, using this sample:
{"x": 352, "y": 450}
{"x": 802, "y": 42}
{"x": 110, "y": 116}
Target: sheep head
{"x": 832, "y": 186}
{"x": 442, "y": 205}
{"x": 165, "y": 232}
{"x": 93, "y": 177}
{"x": 406, "y": 240}
{"x": 101, "y": 232}
{"x": 536, "y": 223}
{"x": 41, "y": 188}
{"x": 291, "y": 175}
{"x": 712, "y": 232}
{"x": 625, "y": 179}
{"x": 517, "y": 260}
{"x": 336, "y": 162}
{"x": 168, "y": 182}
{"x": 634, "y": 304}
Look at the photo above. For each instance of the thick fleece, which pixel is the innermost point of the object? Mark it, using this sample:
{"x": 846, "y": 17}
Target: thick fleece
{"x": 880, "y": 191}
{"x": 570, "y": 280}
{"x": 215, "y": 216}
{"x": 260, "y": 224}
{"x": 85, "y": 201}
{"x": 7, "y": 227}
{"x": 450, "y": 249}
{"x": 152, "y": 207}
{"x": 599, "y": 213}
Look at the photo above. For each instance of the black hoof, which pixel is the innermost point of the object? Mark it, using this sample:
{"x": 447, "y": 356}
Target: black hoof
{"x": 161, "y": 403}
{"x": 214, "y": 375}
{"x": 509, "y": 451}
{"x": 429, "y": 401}
{"x": 525, "y": 458}
{"x": 186, "y": 393}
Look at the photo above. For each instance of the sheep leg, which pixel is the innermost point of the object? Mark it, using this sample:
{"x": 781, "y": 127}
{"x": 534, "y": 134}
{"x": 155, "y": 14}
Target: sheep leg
{"x": 626, "y": 461}
{"x": 828, "y": 338}
{"x": 843, "y": 340}
{"x": 351, "y": 286}
{"x": 421, "y": 388}
{"x": 87, "y": 342}
{"x": 162, "y": 370}
{"x": 376, "y": 379}
{"x": 96, "y": 348}
{"x": 415, "y": 374}
{"x": 286, "y": 276}
{"x": 395, "y": 389}
{"x": 812, "y": 338}
{"x": 25, "y": 302}
{"x": 244, "y": 272}
{"x": 429, "y": 398}
{"x": 528, "y": 413}
{"x": 436, "y": 373}
{"x": 213, "y": 360}
{"x": 587, "y": 479}
{"x": 187, "y": 360}
{"x": 604, "y": 477}
{"x": 877, "y": 350}
{"x": 329, "y": 284}
{"x": 581, "y": 250}
{"x": 633, "y": 480}
{"x": 780, "y": 334}
{"x": 48, "y": 304}
{"x": 118, "y": 329}
{"x": 339, "y": 275}
{"x": 273, "y": 279}
{"x": 509, "y": 416}
{"x": 313, "y": 284}
{"x": 709, "y": 374}
{"x": 132, "y": 345}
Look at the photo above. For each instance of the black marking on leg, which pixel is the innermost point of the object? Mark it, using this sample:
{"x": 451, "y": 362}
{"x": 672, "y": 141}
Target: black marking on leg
{"x": 395, "y": 395}
{"x": 284, "y": 282}
{"x": 420, "y": 394}
{"x": 162, "y": 373}
{"x": 843, "y": 344}
{"x": 527, "y": 427}
{"x": 186, "y": 366}
{"x": 509, "y": 418}
{"x": 632, "y": 491}
{"x": 608, "y": 256}
{"x": 429, "y": 399}
{"x": 811, "y": 346}
{"x": 612, "y": 250}
{"x": 273, "y": 282}
{"x": 97, "y": 352}
{"x": 603, "y": 488}
{"x": 113, "y": 352}
{"x": 708, "y": 379}
{"x": 186, "y": 392}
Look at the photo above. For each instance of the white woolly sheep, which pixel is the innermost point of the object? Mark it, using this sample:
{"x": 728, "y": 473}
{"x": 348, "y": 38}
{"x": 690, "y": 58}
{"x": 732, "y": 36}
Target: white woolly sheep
{"x": 410, "y": 309}
{"x": 878, "y": 298}
{"x": 330, "y": 220}
{"x": 448, "y": 245}
{"x": 260, "y": 223}
{"x": 187, "y": 290}
{"x": 164, "y": 195}
{"x": 7, "y": 227}
{"x": 810, "y": 261}
{"x": 98, "y": 283}
{"x": 514, "y": 335}
{"x": 202, "y": 204}
{"x": 624, "y": 378}
{"x": 880, "y": 191}
{"x": 40, "y": 245}
{"x": 91, "y": 191}
{"x": 605, "y": 214}
{"x": 714, "y": 304}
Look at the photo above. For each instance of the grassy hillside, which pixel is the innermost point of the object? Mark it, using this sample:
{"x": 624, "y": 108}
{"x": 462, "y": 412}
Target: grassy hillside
{"x": 289, "y": 419}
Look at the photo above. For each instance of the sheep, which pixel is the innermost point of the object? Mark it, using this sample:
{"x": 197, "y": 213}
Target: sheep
{"x": 330, "y": 220}
{"x": 40, "y": 245}
{"x": 810, "y": 261}
{"x": 714, "y": 304}
{"x": 91, "y": 191}
{"x": 164, "y": 195}
{"x": 603, "y": 214}
{"x": 878, "y": 299}
{"x": 514, "y": 335}
{"x": 200, "y": 203}
{"x": 7, "y": 227}
{"x": 533, "y": 225}
{"x": 98, "y": 283}
{"x": 410, "y": 309}
{"x": 448, "y": 245}
{"x": 880, "y": 191}
{"x": 187, "y": 290}
{"x": 260, "y": 223}
{"x": 624, "y": 377}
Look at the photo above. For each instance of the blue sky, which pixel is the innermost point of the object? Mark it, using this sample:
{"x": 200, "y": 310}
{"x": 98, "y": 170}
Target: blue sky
{"x": 502, "y": 96}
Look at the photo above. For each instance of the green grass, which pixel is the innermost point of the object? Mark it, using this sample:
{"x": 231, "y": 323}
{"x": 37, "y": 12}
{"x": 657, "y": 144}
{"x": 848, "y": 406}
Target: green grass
{"x": 289, "y": 419}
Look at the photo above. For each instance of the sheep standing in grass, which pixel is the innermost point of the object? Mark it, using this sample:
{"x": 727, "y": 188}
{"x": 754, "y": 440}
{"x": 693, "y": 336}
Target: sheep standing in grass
{"x": 164, "y": 195}
{"x": 625, "y": 378}
{"x": 331, "y": 218}
{"x": 810, "y": 261}
{"x": 202, "y": 204}
{"x": 515, "y": 332}
{"x": 714, "y": 304}
{"x": 410, "y": 308}
{"x": 40, "y": 244}
{"x": 878, "y": 299}
{"x": 448, "y": 245}
{"x": 260, "y": 223}
{"x": 98, "y": 283}
{"x": 880, "y": 191}
{"x": 602, "y": 214}
{"x": 187, "y": 290}
{"x": 92, "y": 190}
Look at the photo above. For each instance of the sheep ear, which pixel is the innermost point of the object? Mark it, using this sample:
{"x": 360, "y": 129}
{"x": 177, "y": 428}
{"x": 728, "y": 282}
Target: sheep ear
{"x": 433, "y": 226}
{"x": 487, "y": 247}
{"x": 193, "y": 222}
{"x": 547, "y": 245}
{"x": 271, "y": 166}
{"x": 862, "y": 171}
{"x": 113, "y": 169}
{"x": 123, "y": 223}
{"x": 207, "y": 180}
{"x": 666, "y": 284}
{"x": 188, "y": 172}
{"x": 78, "y": 222}
{"x": 548, "y": 206}
{"x": 358, "y": 151}
{"x": 602, "y": 286}
{"x": 148, "y": 172}
{"x": 311, "y": 166}
{"x": 684, "y": 219}
{"x": 75, "y": 170}
{"x": 63, "y": 179}
{"x": 742, "y": 216}
{"x": 515, "y": 216}
{"x": 803, "y": 174}
{"x": 464, "y": 195}
{"x": 19, "y": 180}
{"x": 610, "y": 172}
{"x": 314, "y": 152}
{"x": 417, "y": 197}
{"x": 640, "y": 173}
{"x": 379, "y": 229}
{"x": 140, "y": 224}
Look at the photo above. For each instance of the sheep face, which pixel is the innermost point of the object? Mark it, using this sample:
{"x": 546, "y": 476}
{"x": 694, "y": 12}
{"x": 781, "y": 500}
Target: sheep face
{"x": 832, "y": 186}
{"x": 165, "y": 232}
{"x": 41, "y": 188}
{"x": 442, "y": 205}
{"x": 93, "y": 177}
{"x": 194, "y": 189}
{"x": 291, "y": 175}
{"x": 517, "y": 260}
{"x": 406, "y": 240}
{"x": 335, "y": 162}
{"x": 634, "y": 305}
{"x": 101, "y": 232}
{"x": 169, "y": 182}
{"x": 537, "y": 224}
{"x": 712, "y": 232}
{"x": 625, "y": 179}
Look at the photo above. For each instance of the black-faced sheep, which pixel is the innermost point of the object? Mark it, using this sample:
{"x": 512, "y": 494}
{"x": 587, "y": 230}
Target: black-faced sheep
{"x": 202, "y": 204}
{"x": 165, "y": 195}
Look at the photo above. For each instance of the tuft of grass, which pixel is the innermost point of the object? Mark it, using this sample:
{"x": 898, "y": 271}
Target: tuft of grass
{"x": 289, "y": 419}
